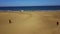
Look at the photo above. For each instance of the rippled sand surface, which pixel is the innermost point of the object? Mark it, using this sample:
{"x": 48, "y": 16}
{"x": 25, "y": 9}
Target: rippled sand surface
{"x": 29, "y": 22}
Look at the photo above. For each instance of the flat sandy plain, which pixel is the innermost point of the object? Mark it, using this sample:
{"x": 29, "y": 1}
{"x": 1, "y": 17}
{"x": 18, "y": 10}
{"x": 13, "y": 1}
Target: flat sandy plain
{"x": 30, "y": 22}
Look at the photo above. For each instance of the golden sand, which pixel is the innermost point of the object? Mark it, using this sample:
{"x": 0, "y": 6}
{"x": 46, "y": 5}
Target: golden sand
{"x": 29, "y": 22}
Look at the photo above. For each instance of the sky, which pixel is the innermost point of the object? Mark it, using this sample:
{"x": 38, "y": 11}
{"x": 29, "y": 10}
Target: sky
{"x": 29, "y": 2}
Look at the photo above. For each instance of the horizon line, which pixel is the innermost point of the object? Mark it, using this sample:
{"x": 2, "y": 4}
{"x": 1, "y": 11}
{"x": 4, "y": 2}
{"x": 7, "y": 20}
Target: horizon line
{"x": 25, "y": 6}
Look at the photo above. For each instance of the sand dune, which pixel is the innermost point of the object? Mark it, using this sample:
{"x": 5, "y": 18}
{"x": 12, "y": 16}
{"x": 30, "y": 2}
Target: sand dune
{"x": 29, "y": 22}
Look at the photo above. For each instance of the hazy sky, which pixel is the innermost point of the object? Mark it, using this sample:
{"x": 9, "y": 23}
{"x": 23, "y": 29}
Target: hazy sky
{"x": 29, "y": 2}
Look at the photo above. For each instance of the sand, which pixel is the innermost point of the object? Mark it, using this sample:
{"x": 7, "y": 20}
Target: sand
{"x": 29, "y": 22}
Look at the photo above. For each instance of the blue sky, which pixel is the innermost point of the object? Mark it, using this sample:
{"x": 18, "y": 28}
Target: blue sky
{"x": 29, "y": 2}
